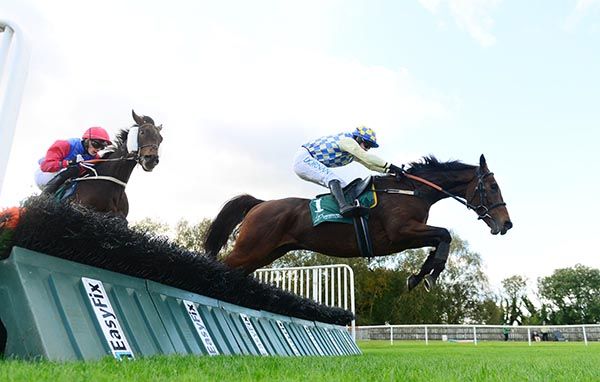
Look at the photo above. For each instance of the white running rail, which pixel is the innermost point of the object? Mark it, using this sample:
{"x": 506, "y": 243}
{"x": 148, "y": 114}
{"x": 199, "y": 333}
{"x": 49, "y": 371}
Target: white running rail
{"x": 331, "y": 285}
{"x": 478, "y": 333}
{"x": 14, "y": 64}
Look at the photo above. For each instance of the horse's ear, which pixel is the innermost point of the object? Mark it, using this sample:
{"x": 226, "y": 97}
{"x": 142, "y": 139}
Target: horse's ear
{"x": 482, "y": 162}
{"x": 159, "y": 127}
{"x": 138, "y": 120}
{"x": 148, "y": 120}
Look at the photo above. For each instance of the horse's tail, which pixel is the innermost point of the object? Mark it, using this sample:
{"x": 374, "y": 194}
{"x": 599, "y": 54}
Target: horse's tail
{"x": 232, "y": 213}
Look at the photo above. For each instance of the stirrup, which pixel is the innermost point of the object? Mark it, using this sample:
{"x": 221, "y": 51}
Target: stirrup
{"x": 347, "y": 210}
{"x": 355, "y": 210}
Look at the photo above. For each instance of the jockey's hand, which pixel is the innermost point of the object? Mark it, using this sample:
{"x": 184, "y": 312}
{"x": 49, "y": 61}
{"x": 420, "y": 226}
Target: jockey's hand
{"x": 76, "y": 161}
{"x": 393, "y": 169}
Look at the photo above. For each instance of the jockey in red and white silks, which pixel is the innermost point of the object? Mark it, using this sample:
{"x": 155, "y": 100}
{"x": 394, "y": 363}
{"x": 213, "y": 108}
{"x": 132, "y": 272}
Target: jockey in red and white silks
{"x": 314, "y": 160}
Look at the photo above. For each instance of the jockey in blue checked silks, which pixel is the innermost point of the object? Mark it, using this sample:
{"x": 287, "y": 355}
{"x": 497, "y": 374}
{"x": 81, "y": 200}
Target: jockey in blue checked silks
{"x": 314, "y": 160}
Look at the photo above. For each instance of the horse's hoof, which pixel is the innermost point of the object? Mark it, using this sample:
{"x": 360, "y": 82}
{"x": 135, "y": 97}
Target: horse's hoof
{"x": 428, "y": 282}
{"x": 411, "y": 282}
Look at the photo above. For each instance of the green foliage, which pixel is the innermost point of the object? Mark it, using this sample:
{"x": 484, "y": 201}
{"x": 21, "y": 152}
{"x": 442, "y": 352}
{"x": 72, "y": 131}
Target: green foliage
{"x": 514, "y": 290}
{"x": 191, "y": 236}
{"x": 151, "y": 227}
{"x": 188, "y": 235}
{"x": 573, "y": 295}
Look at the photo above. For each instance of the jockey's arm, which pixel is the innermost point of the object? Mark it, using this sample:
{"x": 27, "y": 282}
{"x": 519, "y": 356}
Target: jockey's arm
{"x": 370, "y": 161}
{"x": 55, "y": 157}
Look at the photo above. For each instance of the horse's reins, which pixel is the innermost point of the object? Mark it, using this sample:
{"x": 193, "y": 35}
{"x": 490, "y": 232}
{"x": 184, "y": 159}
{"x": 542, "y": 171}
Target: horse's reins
{"x": 87, "y": 164}
{"x": 485, "y": 211}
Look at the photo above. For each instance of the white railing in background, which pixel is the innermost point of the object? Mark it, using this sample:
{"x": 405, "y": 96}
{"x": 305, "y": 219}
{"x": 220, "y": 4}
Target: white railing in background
{"x": 476, "y": 333}
{"x": 14, "y": 64}
{"x": 331, "y": 285}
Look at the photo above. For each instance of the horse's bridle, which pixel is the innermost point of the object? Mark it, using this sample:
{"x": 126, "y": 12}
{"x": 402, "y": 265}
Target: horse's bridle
{"x": 485, "y": 211}
{"x": 136, "y": 155}
{"x": 481, "y": 209}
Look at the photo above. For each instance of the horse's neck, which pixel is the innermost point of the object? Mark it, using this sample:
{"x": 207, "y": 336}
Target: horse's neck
{"x": 120, "y": 169}
{"x": 453, "y": 181}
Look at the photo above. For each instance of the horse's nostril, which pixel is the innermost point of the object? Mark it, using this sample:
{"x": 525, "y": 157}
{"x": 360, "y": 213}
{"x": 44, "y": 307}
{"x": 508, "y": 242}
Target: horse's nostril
{"x": 151, "y": 159}
{"x": 508, "y": 225}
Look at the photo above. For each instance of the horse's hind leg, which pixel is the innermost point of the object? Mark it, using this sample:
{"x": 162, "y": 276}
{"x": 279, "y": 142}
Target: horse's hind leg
{"x": 251, "y": 261}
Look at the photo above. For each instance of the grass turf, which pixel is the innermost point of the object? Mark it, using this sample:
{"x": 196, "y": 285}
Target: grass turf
{"x": 403, "y": 361}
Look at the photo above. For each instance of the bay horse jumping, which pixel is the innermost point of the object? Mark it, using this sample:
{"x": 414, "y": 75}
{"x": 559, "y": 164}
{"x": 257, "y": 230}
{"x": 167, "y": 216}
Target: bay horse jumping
{"x": 104, "y": 189}
{"x": 269, "y": 229}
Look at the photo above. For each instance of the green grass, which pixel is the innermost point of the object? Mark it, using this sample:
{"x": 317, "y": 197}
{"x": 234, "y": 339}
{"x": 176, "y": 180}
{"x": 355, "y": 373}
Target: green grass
{"x": 404, "y": 361}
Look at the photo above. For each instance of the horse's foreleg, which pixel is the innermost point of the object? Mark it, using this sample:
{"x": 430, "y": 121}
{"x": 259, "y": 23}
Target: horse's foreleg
{"x": 434, "y": 264}
{"x": 414, "y": 280}
{"x": 437, "y": 265}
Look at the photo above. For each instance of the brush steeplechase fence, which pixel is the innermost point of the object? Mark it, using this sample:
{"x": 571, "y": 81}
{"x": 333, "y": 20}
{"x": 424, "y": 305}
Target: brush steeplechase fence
{"x": 87, "y": 286}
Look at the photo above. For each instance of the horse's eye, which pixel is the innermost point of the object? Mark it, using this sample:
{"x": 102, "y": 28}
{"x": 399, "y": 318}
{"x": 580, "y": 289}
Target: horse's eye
{"x": 494, "y": 187}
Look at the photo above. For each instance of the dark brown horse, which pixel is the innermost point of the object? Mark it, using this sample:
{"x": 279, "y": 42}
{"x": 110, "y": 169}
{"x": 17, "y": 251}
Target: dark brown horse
{"x": 269, "y": 229}
{"x": 104, "y": 189}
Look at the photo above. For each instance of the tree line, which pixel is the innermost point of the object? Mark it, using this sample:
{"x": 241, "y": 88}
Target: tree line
{"x": 461, "y": 296}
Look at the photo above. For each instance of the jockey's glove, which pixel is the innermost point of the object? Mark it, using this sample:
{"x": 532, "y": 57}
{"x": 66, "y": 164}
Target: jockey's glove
{"x": 395, "y": 170}
{"x": 76, "y": 161}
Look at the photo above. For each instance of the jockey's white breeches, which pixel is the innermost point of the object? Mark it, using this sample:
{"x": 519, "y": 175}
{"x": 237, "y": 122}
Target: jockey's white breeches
{"x": 42, "y": 178}
{"x": 308, "y": 168}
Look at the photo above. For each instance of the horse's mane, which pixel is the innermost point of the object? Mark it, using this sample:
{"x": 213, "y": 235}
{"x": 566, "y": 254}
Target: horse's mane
{"x": 119, "y": 146}
{"x": 430, "y": 164}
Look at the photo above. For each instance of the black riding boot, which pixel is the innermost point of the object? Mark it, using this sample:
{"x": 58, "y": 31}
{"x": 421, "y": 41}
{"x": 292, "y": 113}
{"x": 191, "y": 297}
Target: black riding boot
{"x": 54, "y": 184}
{"x": 336, "y": 190}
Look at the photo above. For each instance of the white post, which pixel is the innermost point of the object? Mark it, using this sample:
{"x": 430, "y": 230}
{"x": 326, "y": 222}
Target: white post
{"x": 529, "y": 336}
{"x": 352, "y": 307}
{"x": 475, "y": 335}
{"x": 326, "y": 286}
{"x": 315, "y": 285}
{"x": 14, "y": 64}
{"x": 339, "y": 287}
{"x": 584, "y": 335}
{"x": 391, "y": 335}
{"x": 426, "y": 336}
{"x": 332, "y": 287}
{"x": 345, "y": 288}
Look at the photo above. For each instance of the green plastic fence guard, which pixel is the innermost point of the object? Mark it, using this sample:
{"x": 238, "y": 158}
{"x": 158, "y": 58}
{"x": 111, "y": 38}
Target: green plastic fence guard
{"x": 57, "y": 309}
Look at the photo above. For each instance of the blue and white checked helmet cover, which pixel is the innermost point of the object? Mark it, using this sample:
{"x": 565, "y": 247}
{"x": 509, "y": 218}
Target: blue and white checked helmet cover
{"x": 367, "y": 134}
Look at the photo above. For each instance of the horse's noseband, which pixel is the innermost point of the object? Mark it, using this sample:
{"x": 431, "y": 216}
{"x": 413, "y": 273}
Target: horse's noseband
{"x": 482, "y": 210}
{"x": 136, "y": 155}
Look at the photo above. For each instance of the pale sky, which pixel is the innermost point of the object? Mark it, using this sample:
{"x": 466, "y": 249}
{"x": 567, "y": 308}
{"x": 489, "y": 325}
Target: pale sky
{"x": 240, "y": 85}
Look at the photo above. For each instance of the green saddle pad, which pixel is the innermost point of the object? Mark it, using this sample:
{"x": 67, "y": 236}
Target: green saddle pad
{"x": 325, "y": 208}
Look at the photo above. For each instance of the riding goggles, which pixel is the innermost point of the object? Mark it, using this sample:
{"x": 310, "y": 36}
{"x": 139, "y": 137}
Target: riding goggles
{"x": 99, "y": 145}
